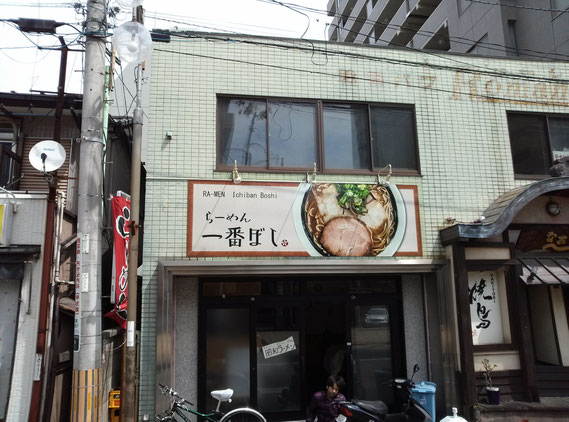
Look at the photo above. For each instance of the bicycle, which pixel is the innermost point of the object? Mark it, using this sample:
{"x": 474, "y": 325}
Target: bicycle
{"x": 179, "y": 405}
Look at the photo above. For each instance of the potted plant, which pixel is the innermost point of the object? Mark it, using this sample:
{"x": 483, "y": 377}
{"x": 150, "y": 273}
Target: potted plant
{"x": 492, "y": 392}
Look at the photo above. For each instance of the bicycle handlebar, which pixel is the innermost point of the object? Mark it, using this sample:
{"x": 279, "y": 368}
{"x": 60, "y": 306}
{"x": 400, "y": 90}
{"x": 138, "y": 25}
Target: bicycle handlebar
{"x": 168, "y": 391}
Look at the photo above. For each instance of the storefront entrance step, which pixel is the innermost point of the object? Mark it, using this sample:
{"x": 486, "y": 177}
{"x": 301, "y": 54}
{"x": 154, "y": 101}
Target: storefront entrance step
{"x": 549, "y": 409}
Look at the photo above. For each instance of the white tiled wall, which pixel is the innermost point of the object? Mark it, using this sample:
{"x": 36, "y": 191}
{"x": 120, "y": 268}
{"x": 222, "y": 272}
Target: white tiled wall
{"x": 460, "y": 104}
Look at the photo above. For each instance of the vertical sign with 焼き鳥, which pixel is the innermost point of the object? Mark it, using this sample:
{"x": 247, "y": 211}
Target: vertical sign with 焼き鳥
{"x": 485, "y": 309}
{"x": 119, "y": 292}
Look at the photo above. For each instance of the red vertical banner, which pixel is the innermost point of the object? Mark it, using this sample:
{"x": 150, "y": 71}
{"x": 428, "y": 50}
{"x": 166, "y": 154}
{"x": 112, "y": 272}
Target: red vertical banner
{"x": 121, "y": 217}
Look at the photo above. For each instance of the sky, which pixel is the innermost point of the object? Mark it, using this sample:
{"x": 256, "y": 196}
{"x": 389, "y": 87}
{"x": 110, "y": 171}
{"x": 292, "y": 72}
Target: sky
{"x": 25, "y": 68}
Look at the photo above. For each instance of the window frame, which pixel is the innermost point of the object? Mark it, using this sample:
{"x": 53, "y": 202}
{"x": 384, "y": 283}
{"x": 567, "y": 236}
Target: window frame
{"x": 319, "y": 127}
{"x": 9, "y": 154}
{"x": 546, "y": 116}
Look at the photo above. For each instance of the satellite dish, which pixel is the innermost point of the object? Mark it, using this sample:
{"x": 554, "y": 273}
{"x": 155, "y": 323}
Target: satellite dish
{"x": 47, "y": 156}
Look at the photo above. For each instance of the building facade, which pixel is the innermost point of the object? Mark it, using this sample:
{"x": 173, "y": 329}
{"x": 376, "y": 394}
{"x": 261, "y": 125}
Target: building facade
{"x": 36, "y": 352}
{"x": 38, "y": 216}
{"x": 516, "y": 28}
{"x": 295, "y": 198}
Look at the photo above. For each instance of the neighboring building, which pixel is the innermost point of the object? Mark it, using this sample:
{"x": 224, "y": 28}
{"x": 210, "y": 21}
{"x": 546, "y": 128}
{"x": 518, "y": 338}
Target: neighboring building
{"x": 521, "y": 28}
{"x": 38, "y": 230}
{"x": 245, "y": 282}
{"x": 29, "y": 354}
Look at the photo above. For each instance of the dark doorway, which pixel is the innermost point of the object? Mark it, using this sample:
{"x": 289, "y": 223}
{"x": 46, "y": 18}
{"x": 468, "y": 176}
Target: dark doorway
{"x": 293, "y": 333}
{"x": 326, "y": 338}
{"x": 375, "y": 348}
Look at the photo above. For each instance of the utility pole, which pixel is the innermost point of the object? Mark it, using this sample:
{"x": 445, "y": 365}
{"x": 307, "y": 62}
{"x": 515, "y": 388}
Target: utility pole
{"x": 129, "y": 400}
{"x": 87, "y": 383}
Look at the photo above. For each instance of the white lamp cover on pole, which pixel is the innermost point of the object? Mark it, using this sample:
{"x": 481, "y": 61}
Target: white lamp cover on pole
{"x": 132, "y": 42}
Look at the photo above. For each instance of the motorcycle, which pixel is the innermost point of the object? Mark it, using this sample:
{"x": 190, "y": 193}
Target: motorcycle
{"x": 377, "y": 411}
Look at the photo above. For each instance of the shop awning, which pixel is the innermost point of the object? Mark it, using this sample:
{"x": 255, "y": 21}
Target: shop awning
{"x": 538, "y": 271}
{"x": 499, "y": 215}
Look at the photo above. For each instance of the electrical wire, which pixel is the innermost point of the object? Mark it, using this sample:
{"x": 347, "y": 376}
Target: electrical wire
{"x": 298, "y": 7}
{"x": 295, "y": 7}
{"x": 39, "y": 5}
{"x": 71, "y": 70}
{"x": 313, "y": 49}
{"x": 459, "y": 40}
{"x": 326, "y": 52}
{"x": 36, "y": 60}
{"x": 168, "y": 19}
{"x": 517, "y": 6}
{"x": 329, "y": 52}
{"x": 125, "y": 89}
{"x": 438, "y": 55}
{"x": 455, "y": 39}
{"x": 17, "y": 48}
{"x": 40, "y": 47}
{"x": 357, "y": 78}
{"x": 297, "y": 11}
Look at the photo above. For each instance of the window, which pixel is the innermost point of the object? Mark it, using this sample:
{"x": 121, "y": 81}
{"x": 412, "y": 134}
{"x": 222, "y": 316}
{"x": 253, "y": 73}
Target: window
{"x": 343, "y": 123}
{"x": 537, "y": 140}
{"x": 271, "y": 134}
{"x": 286, "y": 140}
{"x": 512, "y": 43}
{"x": 8, "y": 159}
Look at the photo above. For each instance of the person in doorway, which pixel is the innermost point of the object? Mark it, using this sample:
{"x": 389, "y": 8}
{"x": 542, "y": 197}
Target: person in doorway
{"x": 325, "y": 405}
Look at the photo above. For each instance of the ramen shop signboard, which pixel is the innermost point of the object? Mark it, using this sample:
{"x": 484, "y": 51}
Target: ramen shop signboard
{"x": 306, "y": 219}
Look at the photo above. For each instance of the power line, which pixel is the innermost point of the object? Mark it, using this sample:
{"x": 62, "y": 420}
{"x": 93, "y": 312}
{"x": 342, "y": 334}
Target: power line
{"x": 11, "y": 23}
{"x": 356, "y": 78}
{"x": 439, "y": 55}
{"x": 182, "y": 22}
{"x": 435, "y": 54}
{"x": 18, "y": 48}
{"x": 455, "y": 39}
{"x": 39, "y": 5}
{"x": 326, "y": 51}
{"x": 465, "y": 41}
{"x": 517, "y": 6}
{"x": 21, "y": 62}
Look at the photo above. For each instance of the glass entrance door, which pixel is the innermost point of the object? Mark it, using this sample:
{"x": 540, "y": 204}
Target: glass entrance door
{"x": 278, "y": 359}
{"x": 375, "y": 353}
{"x": 227, "y": 354}
{"x": 275, "y": 342}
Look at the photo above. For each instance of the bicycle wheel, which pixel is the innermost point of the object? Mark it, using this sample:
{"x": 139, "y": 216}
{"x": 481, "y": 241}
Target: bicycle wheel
{"x": 243, "y": 414}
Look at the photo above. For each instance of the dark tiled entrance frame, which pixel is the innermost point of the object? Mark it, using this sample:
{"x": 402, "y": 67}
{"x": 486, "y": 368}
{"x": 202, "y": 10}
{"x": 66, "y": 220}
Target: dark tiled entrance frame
{"x": 497, "y": 217}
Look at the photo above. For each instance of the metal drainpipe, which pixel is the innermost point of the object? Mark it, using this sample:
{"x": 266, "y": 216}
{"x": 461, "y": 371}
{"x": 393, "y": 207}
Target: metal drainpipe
{"x": 44, "y": 302}
{"x": 426, "y": 316}
{"x": 51, "y": 346}
{"x": 30, "y": 280}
